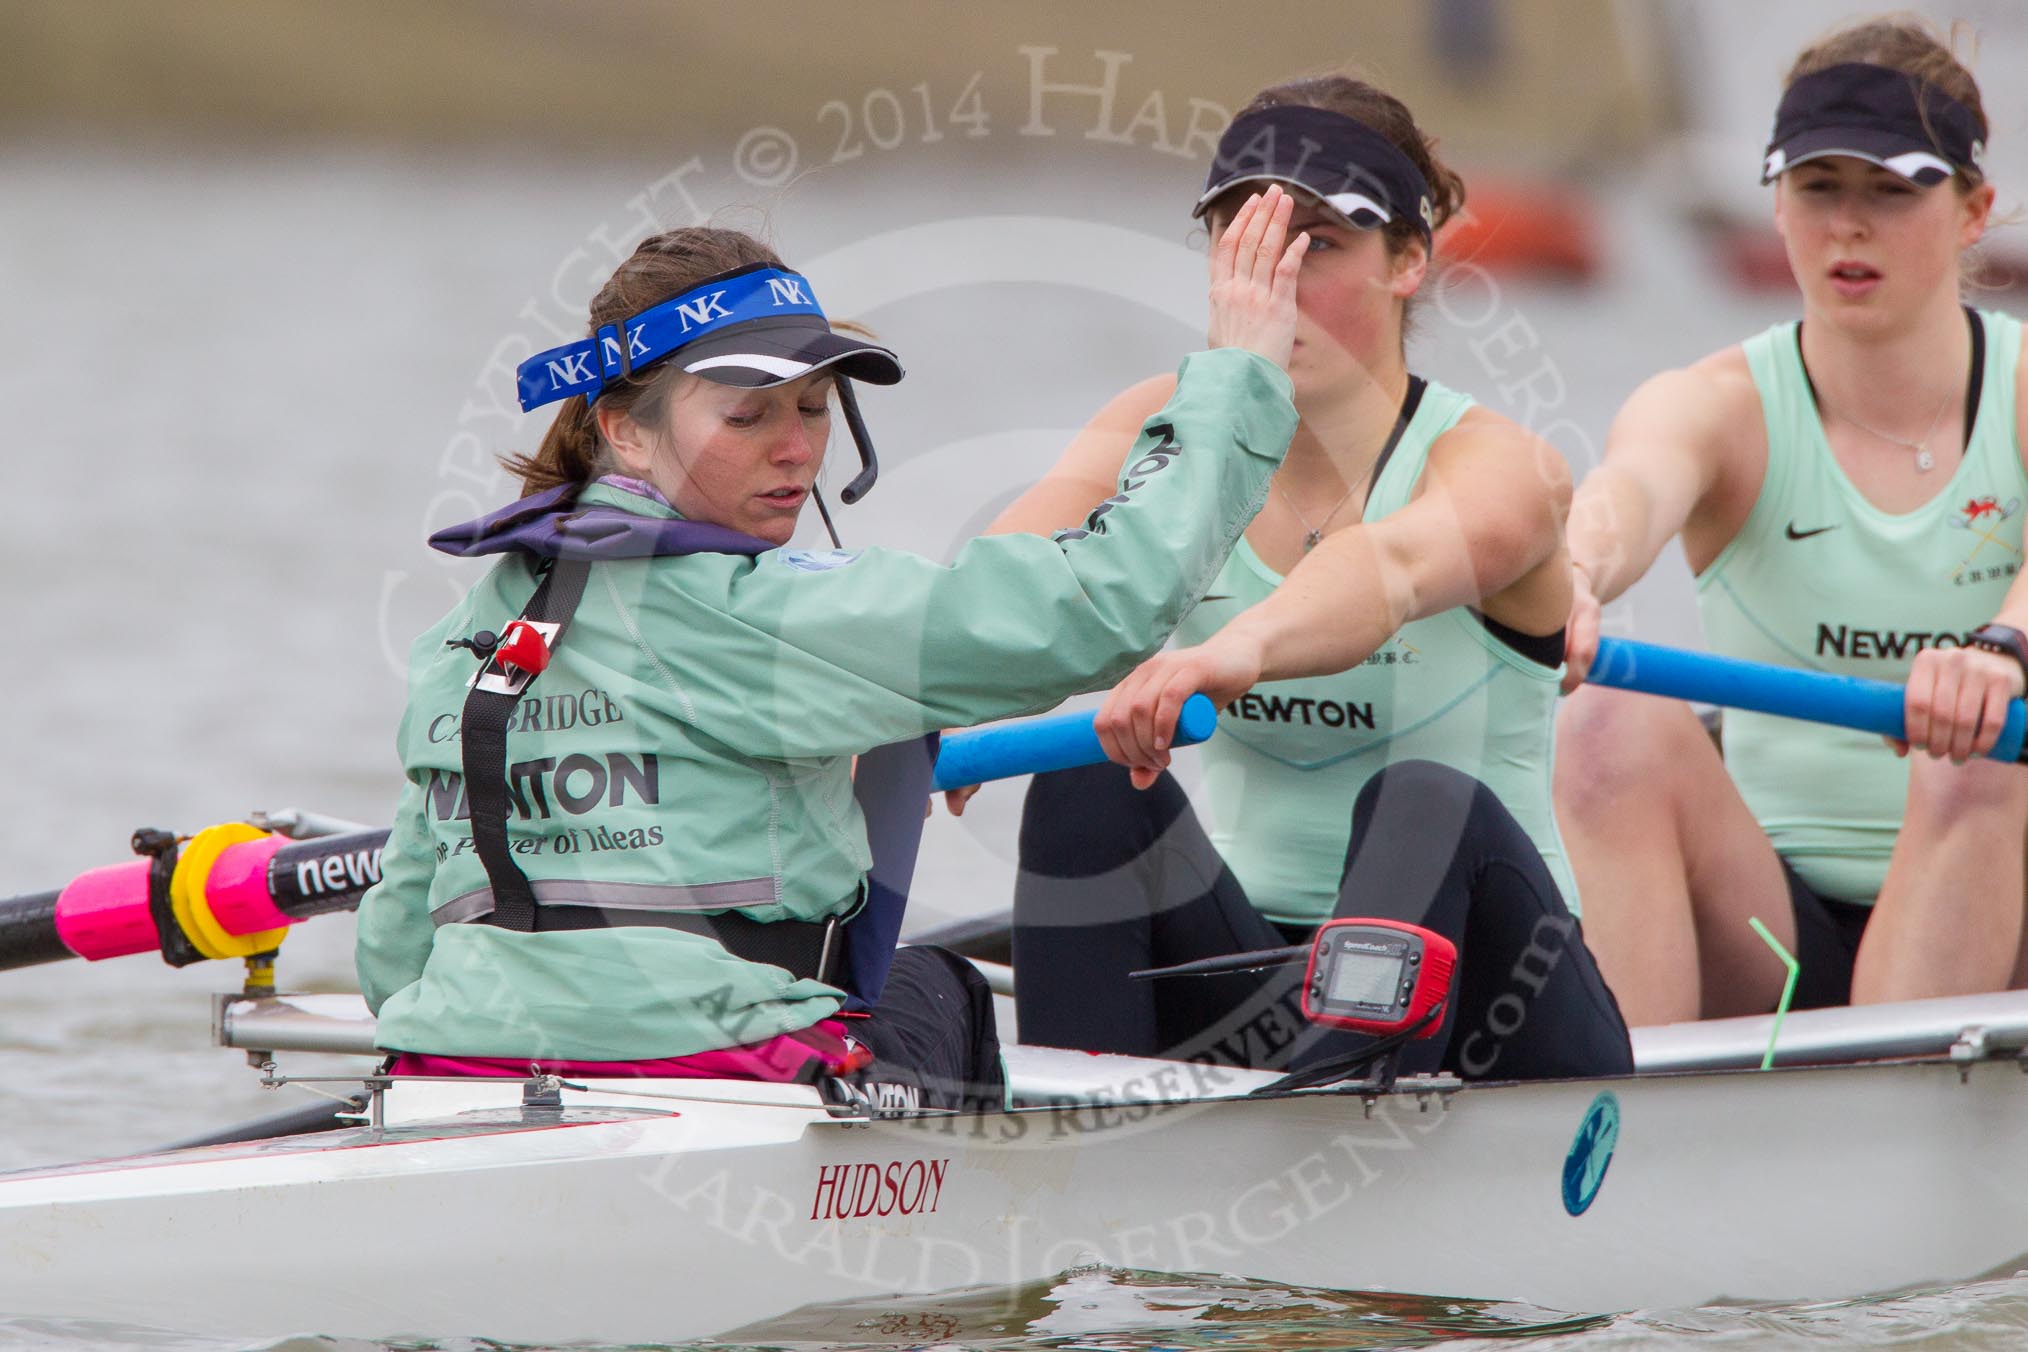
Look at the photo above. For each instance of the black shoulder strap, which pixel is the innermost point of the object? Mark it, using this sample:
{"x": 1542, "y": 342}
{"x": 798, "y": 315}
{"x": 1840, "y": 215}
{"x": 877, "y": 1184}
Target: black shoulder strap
{"x": 1976, "y": 381}
{"x": 1411, "y": 401}
{"x": 495, "y": 692}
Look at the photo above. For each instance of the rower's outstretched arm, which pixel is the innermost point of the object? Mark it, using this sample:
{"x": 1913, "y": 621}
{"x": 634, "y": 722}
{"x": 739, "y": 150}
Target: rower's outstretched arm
{"x": 1088, "y": 471}
{"x": 1082, "y": 477}
{"x": 1490, "y": 512}
{"x": 1669, "y": 460}
{"x": 1655, "y": 471}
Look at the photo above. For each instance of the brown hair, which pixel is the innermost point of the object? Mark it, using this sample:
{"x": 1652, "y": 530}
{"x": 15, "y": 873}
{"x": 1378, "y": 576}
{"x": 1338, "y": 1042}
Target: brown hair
{"x": 1388, "y": 115}
{"x": 662, "y": 266}
{"x": 1910, "y": 44}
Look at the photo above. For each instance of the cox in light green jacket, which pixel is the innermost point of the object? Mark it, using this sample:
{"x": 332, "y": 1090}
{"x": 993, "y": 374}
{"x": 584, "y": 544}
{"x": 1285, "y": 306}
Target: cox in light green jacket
{"x": 691, "y": 742}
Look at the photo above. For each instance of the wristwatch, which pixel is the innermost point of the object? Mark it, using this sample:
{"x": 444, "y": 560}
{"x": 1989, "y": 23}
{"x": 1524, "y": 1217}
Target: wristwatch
{"x": 2006, "y": 641}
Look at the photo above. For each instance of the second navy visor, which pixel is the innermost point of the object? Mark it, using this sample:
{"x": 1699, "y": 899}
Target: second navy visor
{"x": 1876, "y": 114}
{"x": 1352, "y": 170}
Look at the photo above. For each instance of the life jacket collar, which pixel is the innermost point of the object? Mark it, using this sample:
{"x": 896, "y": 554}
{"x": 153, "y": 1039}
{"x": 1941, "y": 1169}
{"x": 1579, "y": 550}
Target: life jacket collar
{"x": 552, "y": 524}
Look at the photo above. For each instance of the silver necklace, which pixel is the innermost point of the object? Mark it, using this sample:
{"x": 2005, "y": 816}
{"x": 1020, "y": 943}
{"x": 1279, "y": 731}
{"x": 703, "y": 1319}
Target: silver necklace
{"x": 1924, "y": 461}
{"x": 1312, "y": 534}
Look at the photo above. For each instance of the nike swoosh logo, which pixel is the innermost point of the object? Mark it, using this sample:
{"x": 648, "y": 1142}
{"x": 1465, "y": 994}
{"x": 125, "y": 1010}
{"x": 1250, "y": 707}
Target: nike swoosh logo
{"x": 1215, "y": 596}
{"x": 1795, "y": 534}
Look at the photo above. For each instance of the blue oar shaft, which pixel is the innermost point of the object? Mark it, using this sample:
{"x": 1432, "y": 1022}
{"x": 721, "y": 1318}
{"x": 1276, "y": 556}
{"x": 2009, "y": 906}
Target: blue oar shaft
{"x": 1788, "y": 692}
{"x": 1036, "y": 746}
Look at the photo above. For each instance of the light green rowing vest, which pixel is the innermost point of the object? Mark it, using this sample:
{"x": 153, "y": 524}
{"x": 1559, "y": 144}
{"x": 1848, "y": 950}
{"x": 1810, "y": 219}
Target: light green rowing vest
{"x": 1819, "y": 577}
{"x": 1291, "y": 756}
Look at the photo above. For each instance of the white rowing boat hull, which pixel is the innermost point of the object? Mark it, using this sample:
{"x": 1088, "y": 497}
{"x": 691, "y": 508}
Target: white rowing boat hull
{"x": 626, "y": 1221}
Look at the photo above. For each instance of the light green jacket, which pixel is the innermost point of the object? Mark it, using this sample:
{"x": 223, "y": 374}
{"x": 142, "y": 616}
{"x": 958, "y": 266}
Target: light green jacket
{"x": 689, "y": 747}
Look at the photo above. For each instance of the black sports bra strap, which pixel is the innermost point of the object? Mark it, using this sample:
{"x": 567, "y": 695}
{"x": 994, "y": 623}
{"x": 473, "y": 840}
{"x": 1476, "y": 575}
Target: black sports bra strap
{"x": 1411, "y": 400}
{"x": 1975, "y": 381}
{"x": 1975, "y": 384}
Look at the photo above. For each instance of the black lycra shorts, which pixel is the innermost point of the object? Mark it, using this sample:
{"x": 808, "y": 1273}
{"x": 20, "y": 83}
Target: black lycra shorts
{"x": 1827, "y": 944}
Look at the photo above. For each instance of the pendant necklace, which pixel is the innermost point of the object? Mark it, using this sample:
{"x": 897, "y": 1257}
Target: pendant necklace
{"x": 1312, "y": 534}
{"x": 1924, "y": 461}
{"x": 1409, "y": 403}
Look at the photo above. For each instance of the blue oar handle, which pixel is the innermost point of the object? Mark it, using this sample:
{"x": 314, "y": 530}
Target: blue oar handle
{"x": 1036, "y": 746}
{"x": 1788, "y": 692}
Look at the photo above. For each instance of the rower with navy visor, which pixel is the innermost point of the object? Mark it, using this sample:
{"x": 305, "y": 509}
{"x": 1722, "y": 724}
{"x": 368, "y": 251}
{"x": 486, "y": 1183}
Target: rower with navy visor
{"x": 1384, "y": 645}
{"x": 668, "y": 884}
{"x": 1847, "y": 489}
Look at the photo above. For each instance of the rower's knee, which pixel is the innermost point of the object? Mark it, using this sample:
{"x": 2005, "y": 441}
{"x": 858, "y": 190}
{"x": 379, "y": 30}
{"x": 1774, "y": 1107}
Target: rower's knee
{"x": 1090, "y": 820}
{"x": 1984, "y": 795}
{"x": 1420, "y": 800}
{"x": 1616, "y": 751}
{"x": 1421, "y": 784}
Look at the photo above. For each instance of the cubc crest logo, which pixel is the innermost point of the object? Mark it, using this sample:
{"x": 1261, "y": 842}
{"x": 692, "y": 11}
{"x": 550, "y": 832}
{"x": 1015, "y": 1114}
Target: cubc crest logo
{"x": 1986, "y": 509}
{"x": 1584, "y": 1168}
{"x": 1982, "y": 518}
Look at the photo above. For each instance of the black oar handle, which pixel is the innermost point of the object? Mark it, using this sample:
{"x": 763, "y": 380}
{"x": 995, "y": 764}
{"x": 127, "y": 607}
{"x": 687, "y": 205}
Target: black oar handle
{"x": 331, "y": 873}
{"x": 28, "y": 930}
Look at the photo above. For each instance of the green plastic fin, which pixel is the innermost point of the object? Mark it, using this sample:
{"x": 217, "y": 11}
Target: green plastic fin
{"x": 1788, "y": 987}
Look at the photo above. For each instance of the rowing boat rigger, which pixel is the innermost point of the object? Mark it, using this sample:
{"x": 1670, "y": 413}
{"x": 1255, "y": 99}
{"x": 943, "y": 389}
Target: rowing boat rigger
{"x": 1878, "y": 1149}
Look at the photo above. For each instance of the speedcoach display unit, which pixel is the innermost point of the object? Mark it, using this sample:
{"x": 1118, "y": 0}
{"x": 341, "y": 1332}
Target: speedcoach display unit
{"x": 1377, "y": 976}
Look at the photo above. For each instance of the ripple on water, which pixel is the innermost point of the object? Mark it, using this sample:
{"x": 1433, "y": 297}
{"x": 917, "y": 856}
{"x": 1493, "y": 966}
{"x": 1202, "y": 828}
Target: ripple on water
{"x": 1099, "y": 1309}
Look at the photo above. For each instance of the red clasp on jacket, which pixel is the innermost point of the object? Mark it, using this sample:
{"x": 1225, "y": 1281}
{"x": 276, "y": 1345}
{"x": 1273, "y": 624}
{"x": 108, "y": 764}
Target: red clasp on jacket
{"x": 522, "y": 646}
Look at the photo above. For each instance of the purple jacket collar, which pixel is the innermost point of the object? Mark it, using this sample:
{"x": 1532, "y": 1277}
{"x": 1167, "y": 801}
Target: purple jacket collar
{"x": 552, "y": 525}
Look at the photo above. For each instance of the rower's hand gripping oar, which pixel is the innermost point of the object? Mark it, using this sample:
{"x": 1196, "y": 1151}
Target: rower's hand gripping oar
{"x": 1788, "y": 692}
{"x": 1623, "y": 664}
{"x": 1034, "y": 746}
{"x": 233, "y": 881}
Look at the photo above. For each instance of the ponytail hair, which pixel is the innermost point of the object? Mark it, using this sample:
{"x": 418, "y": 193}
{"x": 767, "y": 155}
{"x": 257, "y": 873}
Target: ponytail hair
{"x": 570, "y": 452}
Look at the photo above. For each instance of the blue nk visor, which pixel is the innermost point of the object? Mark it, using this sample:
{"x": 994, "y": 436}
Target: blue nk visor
{"x": 755, "y": 327}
